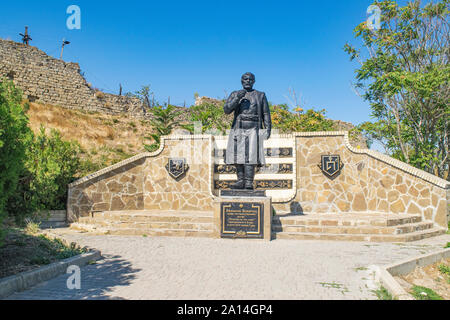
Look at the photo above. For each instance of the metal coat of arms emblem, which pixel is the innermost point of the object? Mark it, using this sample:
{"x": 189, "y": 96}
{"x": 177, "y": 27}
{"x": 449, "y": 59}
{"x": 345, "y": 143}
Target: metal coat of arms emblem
{"x": 177, "y": 167}
{"x": 331, "y": 165}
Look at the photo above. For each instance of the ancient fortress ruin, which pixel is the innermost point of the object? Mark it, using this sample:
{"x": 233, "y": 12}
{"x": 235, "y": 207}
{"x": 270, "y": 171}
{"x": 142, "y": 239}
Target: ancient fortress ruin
{"x": 47, "y": 80}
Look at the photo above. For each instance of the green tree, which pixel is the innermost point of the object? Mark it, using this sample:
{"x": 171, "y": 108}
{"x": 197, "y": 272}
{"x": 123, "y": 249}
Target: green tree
{"x": 163, "y": 122}
{"x": 14, "y": 133}
{"x": 210, "y": 116}
{"x": 51, "y": 164}
{"x": 299, "y": 120}
{"x": 404, "y": 73}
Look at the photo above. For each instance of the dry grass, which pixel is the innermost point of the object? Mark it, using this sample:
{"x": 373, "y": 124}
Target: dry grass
{"x": 104, "y": 138}
{"x": 99, "y": 95}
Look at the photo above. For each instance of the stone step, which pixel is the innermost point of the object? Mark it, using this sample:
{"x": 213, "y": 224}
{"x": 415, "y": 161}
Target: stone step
{"x": 53, "y": 224}
{"x": 161, "y": 232}
{"x": 156, "y": 225}
{"x": 52, "y": 216}
{"x": 152, "y": 216}
{"x": 94, "y": 229}
{"x": 155, "y": 213}
{"x": 56, "y": 218}
{"x": 414, "y": 236}
{"x": 150, "y": 223}
{"x": 400, "y": 229}
{"x": 348, "y": 220}
{"x": 149, "y": 219}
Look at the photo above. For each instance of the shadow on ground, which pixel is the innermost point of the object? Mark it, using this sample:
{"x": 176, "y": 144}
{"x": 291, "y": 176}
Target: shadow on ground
{"x": 98, "y": 282}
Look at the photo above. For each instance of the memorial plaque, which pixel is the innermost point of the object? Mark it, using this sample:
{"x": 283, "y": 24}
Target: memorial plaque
{"x": 277, "y": 168}
{"x": 242, "y": 220}
{"x": 269, "y": 152}
{"x": 259, "y": 184}
{"x": 243, "y": 193}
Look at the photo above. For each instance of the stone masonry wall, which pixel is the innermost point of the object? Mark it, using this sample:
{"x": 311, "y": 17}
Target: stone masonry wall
{"x": 118, "y": 189}
{"x": 191, "y": 192}
{"x": 369, "y": 182}
{"x": 143, "y": 183}
{"x": 48, "y": 80}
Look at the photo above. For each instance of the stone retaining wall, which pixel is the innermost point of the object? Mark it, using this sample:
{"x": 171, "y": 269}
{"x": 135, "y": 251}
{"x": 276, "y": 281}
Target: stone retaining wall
{"x": 47, "y": 80}
{"x": 120, "y": 188}
{"x": 369, "y": 182}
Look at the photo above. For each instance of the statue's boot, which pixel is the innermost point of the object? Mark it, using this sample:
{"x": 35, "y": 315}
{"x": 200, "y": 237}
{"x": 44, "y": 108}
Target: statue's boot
{"x": 240, "y": 174}
{"x": 249, "y": 176}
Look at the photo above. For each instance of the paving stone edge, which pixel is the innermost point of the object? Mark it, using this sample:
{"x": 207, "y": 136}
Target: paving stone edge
{"x": 386, "y": 273}
{"x": 28, "y": 279}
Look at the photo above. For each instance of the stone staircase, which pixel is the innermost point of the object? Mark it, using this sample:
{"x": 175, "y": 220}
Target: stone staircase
{"x": 149, "y": 223}
{"x": 55, "y": 219}
{"x": 354, "y": 227}
{"x": 343, "y": 227}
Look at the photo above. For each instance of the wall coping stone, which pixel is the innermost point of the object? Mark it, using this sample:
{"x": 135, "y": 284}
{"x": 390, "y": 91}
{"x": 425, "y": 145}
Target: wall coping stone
{"x": 372, "y": 153}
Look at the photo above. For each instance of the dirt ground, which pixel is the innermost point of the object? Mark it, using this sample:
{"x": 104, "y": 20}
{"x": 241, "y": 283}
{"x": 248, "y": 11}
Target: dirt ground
{"x": 429, "y": 277}
{"x": 22, "y": 252}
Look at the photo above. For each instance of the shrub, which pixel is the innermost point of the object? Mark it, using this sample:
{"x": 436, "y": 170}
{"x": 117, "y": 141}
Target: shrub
{"x": 13, "y": 135}
{"x": 88, "y": 166}
{"x": 445, "y": 270}
{"x": 423, "y": 293}
{"x": 383, "y": 294}
{"x": 32, "y": 227}
{"x": 99, "y": 95}
{"x": 211, "y": 117}
{"x": 51, "y": 164}
{"x": 163, "y": 121}
{"x": 299, "y": 120}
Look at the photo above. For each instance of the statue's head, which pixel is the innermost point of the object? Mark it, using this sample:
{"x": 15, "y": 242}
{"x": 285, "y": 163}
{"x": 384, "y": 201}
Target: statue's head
{"x": 248, "y": 80}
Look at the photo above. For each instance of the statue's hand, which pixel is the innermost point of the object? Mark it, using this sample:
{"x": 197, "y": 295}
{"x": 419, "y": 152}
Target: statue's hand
{"x": 265, "y": 134}
{"x": 241, "y": 94}
{"x": 268, "y": 133}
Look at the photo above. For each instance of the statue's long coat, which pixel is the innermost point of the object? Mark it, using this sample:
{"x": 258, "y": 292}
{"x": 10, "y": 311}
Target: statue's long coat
{"x": 246, "y": 146}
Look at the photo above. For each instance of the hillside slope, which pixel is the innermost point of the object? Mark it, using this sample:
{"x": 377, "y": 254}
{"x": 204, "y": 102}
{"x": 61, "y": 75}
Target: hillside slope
{"x": 105, "y": 139}
{"x": 108, "y": 139}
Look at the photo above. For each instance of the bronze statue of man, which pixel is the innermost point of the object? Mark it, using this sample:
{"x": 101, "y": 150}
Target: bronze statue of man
{"x": 252, "y": 125}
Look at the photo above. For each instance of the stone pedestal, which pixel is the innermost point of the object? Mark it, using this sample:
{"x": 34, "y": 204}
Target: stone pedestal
{"x": 243, "y": 217}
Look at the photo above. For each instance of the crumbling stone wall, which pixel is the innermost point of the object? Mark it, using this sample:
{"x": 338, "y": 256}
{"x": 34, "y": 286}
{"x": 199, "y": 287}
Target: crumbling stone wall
{"x": 47, "y": 80}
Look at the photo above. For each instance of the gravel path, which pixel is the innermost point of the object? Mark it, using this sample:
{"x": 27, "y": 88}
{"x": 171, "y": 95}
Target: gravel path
{"x": 197, "y": 268}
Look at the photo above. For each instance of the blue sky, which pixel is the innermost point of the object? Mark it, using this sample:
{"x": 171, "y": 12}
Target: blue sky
{"x": 183, "y": 47}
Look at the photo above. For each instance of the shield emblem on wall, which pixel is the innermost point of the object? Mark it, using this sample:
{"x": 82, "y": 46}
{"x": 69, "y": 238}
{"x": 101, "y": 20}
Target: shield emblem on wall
{"x": 331, "y": 165}
{"x": 177, "y": 167}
